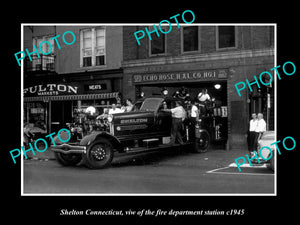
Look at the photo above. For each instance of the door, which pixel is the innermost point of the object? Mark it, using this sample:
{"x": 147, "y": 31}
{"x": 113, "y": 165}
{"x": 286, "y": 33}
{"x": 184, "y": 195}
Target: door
{"x": 61, "y": 113}
{"x": 163, "y": 120}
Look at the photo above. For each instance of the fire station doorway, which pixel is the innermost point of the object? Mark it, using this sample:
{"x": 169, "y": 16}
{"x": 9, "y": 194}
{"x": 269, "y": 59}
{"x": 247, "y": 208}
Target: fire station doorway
{"x": 216, "y": 119}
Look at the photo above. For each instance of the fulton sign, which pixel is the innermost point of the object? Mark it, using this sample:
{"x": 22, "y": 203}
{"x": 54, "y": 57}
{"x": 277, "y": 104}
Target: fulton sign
{"x": 50, "y": 89}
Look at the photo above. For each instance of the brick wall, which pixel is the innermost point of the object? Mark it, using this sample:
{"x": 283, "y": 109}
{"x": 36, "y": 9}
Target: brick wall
{"x": 130, "y": 45}
{"x": 253, "y": 57}
{"x": 208, "y": 39}
{"x": 249, "y": 37}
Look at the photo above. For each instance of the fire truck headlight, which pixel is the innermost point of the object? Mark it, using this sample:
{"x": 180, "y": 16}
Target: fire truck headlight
{"x": 110, "y": 118}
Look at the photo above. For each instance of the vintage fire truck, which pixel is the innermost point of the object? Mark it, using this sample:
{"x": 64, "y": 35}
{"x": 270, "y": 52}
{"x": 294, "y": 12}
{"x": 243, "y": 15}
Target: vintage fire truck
{"x": 146, "y": 128}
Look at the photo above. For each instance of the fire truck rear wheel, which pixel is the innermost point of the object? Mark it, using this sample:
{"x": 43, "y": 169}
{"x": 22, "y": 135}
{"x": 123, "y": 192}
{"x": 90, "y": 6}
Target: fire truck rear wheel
{"x": 202, "y": 143}
{"x": 99, "y": 154}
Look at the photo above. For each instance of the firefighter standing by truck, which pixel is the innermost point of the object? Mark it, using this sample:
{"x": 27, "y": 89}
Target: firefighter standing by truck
{"x": 178, "y": 115}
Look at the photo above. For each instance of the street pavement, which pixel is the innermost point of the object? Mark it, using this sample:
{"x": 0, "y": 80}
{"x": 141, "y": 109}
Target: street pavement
{"x": 171, "y": 171}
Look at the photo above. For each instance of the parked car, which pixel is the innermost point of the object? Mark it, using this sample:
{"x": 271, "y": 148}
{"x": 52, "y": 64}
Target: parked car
{"x": 147, "y": 128}
{"x": 266, "y": 140}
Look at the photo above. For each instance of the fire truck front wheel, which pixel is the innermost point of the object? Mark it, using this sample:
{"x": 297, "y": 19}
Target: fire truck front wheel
{"x": 67, "y": 159}
{"x": 99, "y": 154}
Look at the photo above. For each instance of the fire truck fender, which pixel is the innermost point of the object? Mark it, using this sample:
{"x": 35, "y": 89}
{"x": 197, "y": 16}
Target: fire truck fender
{"x": 89, "y": 139}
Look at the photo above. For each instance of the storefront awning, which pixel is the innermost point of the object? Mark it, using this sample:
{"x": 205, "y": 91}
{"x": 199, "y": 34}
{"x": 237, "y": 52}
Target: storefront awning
{"x": 72, "y": 97}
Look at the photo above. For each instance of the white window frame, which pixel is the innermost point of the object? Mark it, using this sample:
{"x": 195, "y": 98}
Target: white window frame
{"x": 182, "y": 41}
{"x": 94, "y": 46}
{"x": 235, "y": 39}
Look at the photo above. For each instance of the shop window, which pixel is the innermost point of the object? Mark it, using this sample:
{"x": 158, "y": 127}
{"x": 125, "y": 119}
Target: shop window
{"x": 93, "y": 47}
{"x": 226, "y": 37}
{"x": 157, "y": 44}
{"x": 35, "y": 114}
{"x": 190, "y": 39}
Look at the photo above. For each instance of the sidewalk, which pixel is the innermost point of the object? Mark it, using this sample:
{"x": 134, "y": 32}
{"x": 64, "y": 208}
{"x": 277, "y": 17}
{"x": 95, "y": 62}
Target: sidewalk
{"x": 46, "y": 155}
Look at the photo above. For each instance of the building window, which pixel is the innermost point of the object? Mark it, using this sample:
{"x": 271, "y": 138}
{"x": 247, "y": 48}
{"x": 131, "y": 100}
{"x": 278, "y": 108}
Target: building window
{"x": 44, "y": 61}
{"x": 45, "y": 47}
{"x": 226, "y": 37}
{"x": 157, "y": 44}
{"x": 87, "y": 48}
{"x": 190, "y": 37}
{"x": 100, "y": 47}
{"x": 92, "y": 43}
{"x": 87, "y": 61}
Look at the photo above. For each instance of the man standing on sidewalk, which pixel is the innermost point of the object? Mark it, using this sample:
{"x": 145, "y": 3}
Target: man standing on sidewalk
{"x": 259, "y": 130}
{"x": 261, "y": 126}
{"x": 252, "y": 134}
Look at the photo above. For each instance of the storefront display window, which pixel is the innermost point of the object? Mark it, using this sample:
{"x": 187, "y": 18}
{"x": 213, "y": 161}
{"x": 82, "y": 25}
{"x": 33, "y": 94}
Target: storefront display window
{"x": 35, "y": 114}
{"x": 99, "y": 104}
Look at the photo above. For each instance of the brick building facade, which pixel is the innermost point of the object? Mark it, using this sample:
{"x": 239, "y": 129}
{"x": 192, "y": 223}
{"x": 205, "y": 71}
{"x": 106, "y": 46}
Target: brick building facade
{"x": 106, "y": 60}
{"x": 201, "y": 56}
{"x": 72, "y": 77}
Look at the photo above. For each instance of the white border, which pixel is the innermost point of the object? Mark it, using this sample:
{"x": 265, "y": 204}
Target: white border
{"x": 149, "y": 24}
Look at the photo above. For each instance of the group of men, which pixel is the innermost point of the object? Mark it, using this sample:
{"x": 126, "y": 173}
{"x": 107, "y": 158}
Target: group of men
{"x": 179, "y": 114}
{"x": 126, "y": 108}
{"x": 257, "y": 127}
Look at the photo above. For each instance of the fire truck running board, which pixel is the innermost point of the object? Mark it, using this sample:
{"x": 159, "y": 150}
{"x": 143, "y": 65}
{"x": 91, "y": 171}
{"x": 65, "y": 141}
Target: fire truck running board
{"x": 137, "y": 150}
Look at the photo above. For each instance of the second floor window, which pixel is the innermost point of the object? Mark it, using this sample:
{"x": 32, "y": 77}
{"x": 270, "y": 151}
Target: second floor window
{"x": 45, "y": 61}
{"x": 45, "y": 47}
{"x": 226, "y": 37}
{"x": 92, "y": 44}
{"x": 157, "y": 44}
{"x": 87, "y": 48}
{"x": 190, "y": 39}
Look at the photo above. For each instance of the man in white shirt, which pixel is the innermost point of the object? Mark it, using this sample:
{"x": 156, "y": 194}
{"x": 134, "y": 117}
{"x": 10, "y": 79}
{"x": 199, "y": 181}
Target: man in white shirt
{"x": 114, "y": 110}
{"x": 259, "y": 129}
{"x": 178, "y": 115}
{"x": 203, "y": 96}
{"x": 194, "y": 111}
{"x": 261, "y": 126}
{"x": 204, "y": 99}
{"x": 252, "y": 134}
{"x": 193, "y": 120}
